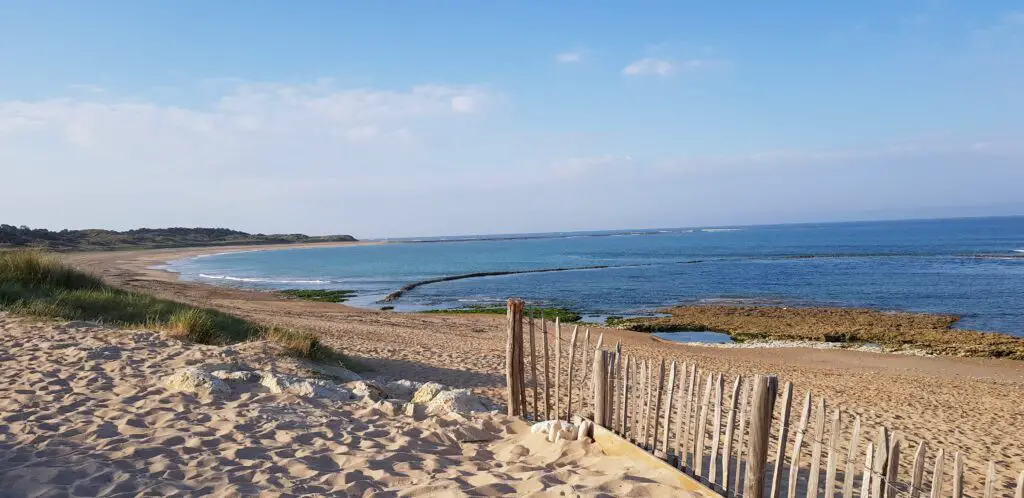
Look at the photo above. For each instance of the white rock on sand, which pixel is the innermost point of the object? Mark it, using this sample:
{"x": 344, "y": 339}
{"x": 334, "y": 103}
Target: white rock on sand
{"x": 194, "y": 380}
{"x": 111, "y": 427}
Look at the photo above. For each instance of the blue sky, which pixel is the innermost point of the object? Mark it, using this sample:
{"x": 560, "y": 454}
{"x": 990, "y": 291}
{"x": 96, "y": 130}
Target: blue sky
{"x": 419, "y": 118}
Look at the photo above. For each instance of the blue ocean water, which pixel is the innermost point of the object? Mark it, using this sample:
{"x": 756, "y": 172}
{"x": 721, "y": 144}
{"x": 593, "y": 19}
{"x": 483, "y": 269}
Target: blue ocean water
{"x": 971, "y": 267}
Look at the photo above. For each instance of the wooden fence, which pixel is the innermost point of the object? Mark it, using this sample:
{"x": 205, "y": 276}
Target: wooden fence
{"x": 739, "y": 436}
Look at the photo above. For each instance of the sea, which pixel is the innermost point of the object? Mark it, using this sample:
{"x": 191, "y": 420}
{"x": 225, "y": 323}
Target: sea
{"x": 969, "y": 267}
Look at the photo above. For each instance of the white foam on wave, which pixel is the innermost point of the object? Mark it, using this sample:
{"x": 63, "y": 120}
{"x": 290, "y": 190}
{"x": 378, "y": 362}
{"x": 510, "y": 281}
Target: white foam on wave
{"x": 262, "y": 280}
{"x": 1018, "y": 250}
{"x": 712, "y": 230}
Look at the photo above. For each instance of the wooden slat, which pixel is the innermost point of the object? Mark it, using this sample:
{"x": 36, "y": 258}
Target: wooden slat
{"x": 780, "y": 450}
{"x": 586, "y": 363}
{"x": 600, "y": 387}
{"x": 627, "y": 387}
{"x": 572, "y": 364}
{"x": 833, "y": 453}
{"x": 617, "y": 393}
{"x": 514, "y": 315}
{"x": 801, "y": 432}
{"x": 698, "y": 449}
{"x": 685, "y": 446}
{"x": 990, "y": 480}
{"x": 680, "y": 417}
{"x": 865, "y": 483}
{"x": 747, "y": 392}
{"x": 716, "y": 429}
{"x": 958, "y": 475}
{"x": 762, "y": 402}
{"x": 649, "y": 404}
{"x": 937, "y": 474}
{"x": 917, "y": 473}
{"x": 656, "y": 419}
{"x": 533, "y": 368}
{"x": 666, "y": 424}
{"x": 558, "y": 368}
{"x": 816, "y": 445}
{"x": 641, "y": 412}
{"x": 892, "y": 469}
{"x": 851, "y": 459}
{"x": 881, "y": 457}
{"x": 730, "y": 424}
{"x": 547, "y": 367}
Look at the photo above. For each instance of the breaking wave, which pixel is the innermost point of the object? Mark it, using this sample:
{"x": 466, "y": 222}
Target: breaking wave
{"x": 262, "y": 280}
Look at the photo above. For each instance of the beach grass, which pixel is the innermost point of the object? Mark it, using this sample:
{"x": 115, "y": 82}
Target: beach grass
{"x": 38, "y": 284}
{"x": 932, "y": 333}
{"x": 563, "y": 314}
{"x": 319, "y": 295}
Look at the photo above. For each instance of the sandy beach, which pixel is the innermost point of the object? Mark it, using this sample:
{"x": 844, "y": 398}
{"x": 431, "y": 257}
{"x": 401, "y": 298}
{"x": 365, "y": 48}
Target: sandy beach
{"x": 961, "y": 404}
{"x": 87, "y": 411}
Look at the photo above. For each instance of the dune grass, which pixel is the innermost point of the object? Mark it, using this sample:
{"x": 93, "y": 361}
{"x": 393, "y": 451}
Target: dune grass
{"x": 37, "y": 284}
{"x": 928, "y": 332}
{"x": 563, "y": 314}
{"x": 319, "y": 295}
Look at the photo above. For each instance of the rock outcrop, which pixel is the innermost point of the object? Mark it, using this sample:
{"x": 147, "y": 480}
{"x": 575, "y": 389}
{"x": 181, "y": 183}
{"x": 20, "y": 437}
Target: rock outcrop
{"x": 196, "y": 381}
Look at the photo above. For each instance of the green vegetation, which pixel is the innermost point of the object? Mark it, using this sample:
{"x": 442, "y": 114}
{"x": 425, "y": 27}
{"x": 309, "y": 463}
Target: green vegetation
{"x": 41, "y": 285}
{"x": 319, "y": 295}
{"x": 927, "y": 332}
{"x": 564, "y": 315}
{"x": 145, "y": 238}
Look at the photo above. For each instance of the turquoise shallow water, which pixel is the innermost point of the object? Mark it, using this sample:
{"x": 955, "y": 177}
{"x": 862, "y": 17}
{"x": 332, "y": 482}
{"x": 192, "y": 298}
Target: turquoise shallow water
{"x": 971, "y": 267}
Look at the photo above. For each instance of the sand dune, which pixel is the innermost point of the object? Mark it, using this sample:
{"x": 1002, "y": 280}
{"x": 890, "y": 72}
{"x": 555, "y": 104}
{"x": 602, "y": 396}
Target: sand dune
{"x": 84, "y": 412}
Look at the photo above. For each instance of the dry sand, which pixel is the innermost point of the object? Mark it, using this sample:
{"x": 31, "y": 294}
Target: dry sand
{"x": 971, "y": 405}
{"x": 83, "y": 412}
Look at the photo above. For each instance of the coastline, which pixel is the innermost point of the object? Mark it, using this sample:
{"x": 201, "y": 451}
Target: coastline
{"x": 968, "y": 404}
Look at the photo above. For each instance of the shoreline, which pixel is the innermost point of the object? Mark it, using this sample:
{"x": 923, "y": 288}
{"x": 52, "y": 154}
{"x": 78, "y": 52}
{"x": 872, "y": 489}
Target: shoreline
{"x": 967, "y": 404}
{"x": 163, "y": 257}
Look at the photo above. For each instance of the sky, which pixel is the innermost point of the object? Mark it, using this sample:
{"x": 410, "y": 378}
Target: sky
{"x": 388, "y": 119}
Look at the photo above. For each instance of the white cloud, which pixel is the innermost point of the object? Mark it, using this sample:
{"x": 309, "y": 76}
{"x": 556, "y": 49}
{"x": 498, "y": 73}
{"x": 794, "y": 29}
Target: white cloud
{"x": 652, "y": 66}
{"x": 570, "y": 57}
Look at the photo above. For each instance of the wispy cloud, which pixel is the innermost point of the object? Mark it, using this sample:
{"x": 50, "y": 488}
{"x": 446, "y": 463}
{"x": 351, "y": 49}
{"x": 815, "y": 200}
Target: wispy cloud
{"x": 652, "y": 66}
{"x": 571, "y": 57}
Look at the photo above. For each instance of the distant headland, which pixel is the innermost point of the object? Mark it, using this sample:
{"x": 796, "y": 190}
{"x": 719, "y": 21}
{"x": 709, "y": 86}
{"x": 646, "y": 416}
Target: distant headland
{"x": 146, "y": 238}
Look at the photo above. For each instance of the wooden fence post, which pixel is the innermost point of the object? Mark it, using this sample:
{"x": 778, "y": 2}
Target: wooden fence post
{"x": 865, "y": 483}
{"x": 533, "y": 368}
{"x": 572, "y": 363}
{"x": 990, "y": 480}
{"x": 833, "y": 453}
{"x": 816, "y": 445}
{"x": 626, "y": 390}
{"x": 702, "y": 425}
{"x": 547, "y": 368}
{"x": 958, "y": 475}
{"x": 748, "y": 391}
{"x": 851, "y": 457}
{"x": 660, "y": 381}
{"x": 879, "y": 463}
{"x": 668, "y": 408}
{"x": 513, "y": 371}
{"x": 558, "y": 368}
{"x": 730, "y": 423}
{"x": 938, "y": 474}
{"x": 892, "y": 468}
{"x": 716, "y": 429}
{"x": 762, "y": 405}
{"x": 917, "y": 476}
{"x": 801, "y": 431}
{"x": 780, "y": 451}
{"x": 600, "y": 387}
